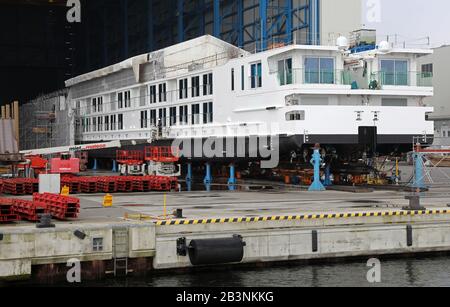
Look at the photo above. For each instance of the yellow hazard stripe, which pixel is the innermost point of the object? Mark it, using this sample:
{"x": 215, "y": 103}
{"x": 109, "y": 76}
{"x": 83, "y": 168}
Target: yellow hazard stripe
{"x": 300, "y": 217}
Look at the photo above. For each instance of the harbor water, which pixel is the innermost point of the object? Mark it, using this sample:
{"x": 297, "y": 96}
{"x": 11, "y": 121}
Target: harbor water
{"x": 402, "y": 272}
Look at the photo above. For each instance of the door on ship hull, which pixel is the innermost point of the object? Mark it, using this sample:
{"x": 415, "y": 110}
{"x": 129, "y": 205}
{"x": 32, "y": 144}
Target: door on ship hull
{"x": 367, "y": 137}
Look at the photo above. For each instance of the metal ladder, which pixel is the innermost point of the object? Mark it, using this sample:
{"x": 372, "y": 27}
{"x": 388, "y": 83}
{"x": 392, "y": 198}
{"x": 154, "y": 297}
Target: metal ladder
{"x": 120, "y": 251}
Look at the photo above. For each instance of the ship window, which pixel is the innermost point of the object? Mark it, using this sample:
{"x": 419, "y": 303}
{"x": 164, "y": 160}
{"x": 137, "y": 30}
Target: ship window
{"x": 163, "y": 117}
{"x": 232, "y": 79}
{"x": 120, "y": 120}
{"x": 94, "y": 105}
{"x": 285, "y": 71}
{"x": 173, "y": 116}
{"x": 207, "y": 112}
{"x": 394, "y": 102}
{"x": 256, "y": 75}
{"x": 183, "y": 84}
{"x": 394, "y": 72}
{"x": 106, "y": 123}
{"x": 242, "y": 78}
{"x": 207, "y": 84}
{"x": 162, "y": 92}
{"x": 319, "y": 70}
{"x": 183, "y": 115}
{"x": 144, "y": 123}
{"x": 153, "y": 117}
{"x": 100, "y": 104}
{"x": 195, "y": 114}
{"x": 295, "y": 115}
{"x": 127, "y": 95}
{"x": 100, "y": 123}
{"x": 195, "y": 86}
{"x": 113, "y": 122}
{"x": 152, "y": 93}
{"x": 94, "y": 124}
{"x": 427, "y": 68}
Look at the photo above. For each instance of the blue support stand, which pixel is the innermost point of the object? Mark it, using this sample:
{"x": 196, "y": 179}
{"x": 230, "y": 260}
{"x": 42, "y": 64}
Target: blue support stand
{"x": 327, "y": 181}
{"x": 232, "y": 180}
{"x": 208, "y": 176}
{"x": 94, "y": 168}
{"x": 418, "y": 176}
{"x": 114, "y": 168}
{"x": 189, "y": 173}
{"x": 317, "y": 184}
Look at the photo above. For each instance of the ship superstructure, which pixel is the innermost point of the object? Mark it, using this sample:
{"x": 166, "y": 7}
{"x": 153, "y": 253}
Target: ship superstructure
{"x": 206, "y": 88}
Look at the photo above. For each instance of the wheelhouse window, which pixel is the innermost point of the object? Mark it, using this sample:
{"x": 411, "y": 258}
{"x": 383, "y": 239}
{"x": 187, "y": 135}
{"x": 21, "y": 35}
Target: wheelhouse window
{"x": 127, "y": 95}
{"x": 285, "y": 71}
{"x": 107, "y": 123}
{"x": 319, "y": 70}
{"x": 256, "y": 75}
{"x": 242, "y": 77}
{"x": 207, "y": 112}
{"x": 295, "y": 115}
{"x": 394, "y": 72}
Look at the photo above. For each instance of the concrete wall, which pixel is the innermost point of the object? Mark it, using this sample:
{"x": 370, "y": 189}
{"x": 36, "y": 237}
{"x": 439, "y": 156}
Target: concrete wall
{"x": 288, "y": 241}
{"x": 26, "y": 246}
{"x": 339, "y": 18}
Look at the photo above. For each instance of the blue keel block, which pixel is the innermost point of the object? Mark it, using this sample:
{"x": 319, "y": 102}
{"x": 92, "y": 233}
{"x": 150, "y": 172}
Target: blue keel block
{"x": 317, "y": 184}
{"x": 208, "y": 176}
{"x": 189, "y": 173}
{"x": 232, "y": 180}
{"x": 114, "y": 168}
{"x": 94, "y": 168}
{"x": 327, "y": 181}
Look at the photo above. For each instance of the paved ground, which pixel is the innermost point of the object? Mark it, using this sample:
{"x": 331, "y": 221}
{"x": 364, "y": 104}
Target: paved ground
{"x": 281, "y": 200}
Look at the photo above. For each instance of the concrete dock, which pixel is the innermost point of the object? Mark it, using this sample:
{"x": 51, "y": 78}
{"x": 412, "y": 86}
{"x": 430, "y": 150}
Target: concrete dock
{"x": 276, "y": 225}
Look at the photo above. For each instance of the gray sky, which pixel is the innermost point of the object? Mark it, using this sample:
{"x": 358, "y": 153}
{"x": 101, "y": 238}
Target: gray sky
{"x": 411, "y": 19}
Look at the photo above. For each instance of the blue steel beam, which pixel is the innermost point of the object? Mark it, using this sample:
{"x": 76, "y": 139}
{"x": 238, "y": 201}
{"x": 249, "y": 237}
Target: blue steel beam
{"x": 125, "y": 27}
{"x": 217, "y": 19}
{"x": 263, "y": 24}
{"x": 180, "y": 22}
{"x": 150, "y": 26}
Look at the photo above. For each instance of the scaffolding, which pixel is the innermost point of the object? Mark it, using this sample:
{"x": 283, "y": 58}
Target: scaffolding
{"x": 45, "y": 122}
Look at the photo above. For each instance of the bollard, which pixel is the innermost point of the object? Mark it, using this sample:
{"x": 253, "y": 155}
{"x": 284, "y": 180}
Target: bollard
{"x": 45, "y": 221}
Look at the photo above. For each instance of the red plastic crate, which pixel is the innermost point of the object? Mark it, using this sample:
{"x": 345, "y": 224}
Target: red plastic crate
{"x": 28, "y": 210}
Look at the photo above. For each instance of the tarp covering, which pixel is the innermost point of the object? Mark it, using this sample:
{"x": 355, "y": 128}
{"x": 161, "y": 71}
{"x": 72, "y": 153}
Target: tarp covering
{"x": 8, "y": 144}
